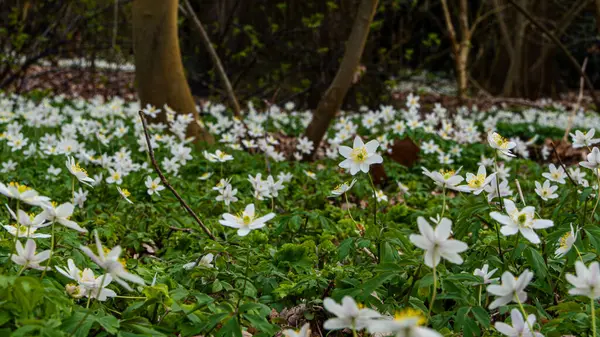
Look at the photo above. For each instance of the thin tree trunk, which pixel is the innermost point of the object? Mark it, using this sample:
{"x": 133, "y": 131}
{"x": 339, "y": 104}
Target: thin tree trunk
{"x": 465, "y": 46}
{"x": 516, "y": 59}
{"x": 158, "y": 68}
{"x": 215, "y": 58}
{"x": 504, "y": 29}
{"x": 333, "y": 98}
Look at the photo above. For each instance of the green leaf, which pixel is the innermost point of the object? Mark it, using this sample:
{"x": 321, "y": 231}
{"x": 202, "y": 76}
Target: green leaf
{"x": 481, "y": 315}
{"x": 109, "y": 323}
{"x": 535, "y": 259}
{"x": 230, "y": 328}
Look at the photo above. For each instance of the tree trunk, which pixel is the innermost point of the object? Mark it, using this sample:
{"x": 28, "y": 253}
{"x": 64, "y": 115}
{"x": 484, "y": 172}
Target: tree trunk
{"x": 333, "y": 98}
{"x": 158, "y": 69}
{"x": 464, "y": 48}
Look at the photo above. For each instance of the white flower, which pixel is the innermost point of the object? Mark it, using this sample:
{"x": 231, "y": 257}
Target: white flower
{"x": 546, "y": 191}
{"x": 342, "y": 188}
{"x": 406, "y": 323}
{"x": 227, "y": 195}
{"x": 153, "y": 186}
{"x": 26, "y": 225}
{"x": 520, "y": 221}
{"x": 205, "y": 261}
{"x": 556, "y": 174}
{"x": 501, "y": 144}
{"x": 79, "y": 197}
{"x": 274, "y": 186}
{"x": 110, "y": 262}
{"x": 88, "y": 284}
{"x": 310, "y": 174}
{"x": 116, "y": 176}
{"x": 565, "y": 243}
{"x": 205, "y": 176}
{"x": 381, "y": 197}
{"x": 23, "y": 193}
{"x": 62, "y": 215}
{"x": 246, "y": 221}
{"x": 519, "y": 327}
{"x": 584, "y": 139}
{"x": 492, "y": 189}
{"x": 348, "y": 314}
{"x": 447, "y": 179}
{"x": 593, "y": 159}
{"x": 485, "y": 274}
{"x": 303, "y": 332}
{"x": 511, "y": 289}
{"x": 436, "y": 243}
{"x": 476, "y": 183}
{"x": 125, "y": 194}
{"x": 8, "y": 166}
{"x": 78, "y": 172}
{"x": 587, "y": 281}
{"x": 27, "y": 257}
{"x": 360, "y": 156}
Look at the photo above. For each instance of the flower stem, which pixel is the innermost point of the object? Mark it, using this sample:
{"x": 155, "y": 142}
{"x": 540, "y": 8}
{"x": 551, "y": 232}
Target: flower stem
{"x": 524, "y": 314}
{"x": 51, "y": 252}
{"x": 237, "y": 306}
{"x": 593, "y": 308}
{"x": 479, "y": 297}
{"x": 348, "y": 209}
{"x": 433, "y": 293}
{"x": 21, "y": 270}
{"x": 88, "y": 306}
{"x": 374, "y": 199}
{"x": 443, "y": 201}
{"x": 597, "y": 195}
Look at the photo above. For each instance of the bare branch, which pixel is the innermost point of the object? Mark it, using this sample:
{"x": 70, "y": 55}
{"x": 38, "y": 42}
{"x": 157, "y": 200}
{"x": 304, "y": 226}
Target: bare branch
{"x": 562, "y": 48}
{"x": 166, "y": 182}
{"x": 578, "y": 103}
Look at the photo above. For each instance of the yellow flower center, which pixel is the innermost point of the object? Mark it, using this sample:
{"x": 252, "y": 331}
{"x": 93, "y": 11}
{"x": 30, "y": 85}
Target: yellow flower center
{"x": 247, "y": 219}
{"x": 54, "y": 204}
{"x": 411, "y": 313}
{"x": 116, "y": 176}
{"x": 447, "y": 174}
{"x": 76, "y": 168}
{"x": 563, "y": 240}
{"x": 19, "y": 187}
{"x": 125, "y": 193}
{"x": 477, "y": 181}
{"x": 500, "y": 141}
{"x": 359, "y": 154}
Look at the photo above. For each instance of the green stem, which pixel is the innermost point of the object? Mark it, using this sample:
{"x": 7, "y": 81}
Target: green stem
{"x": 597, "y": 195}
{"x": 237, "y": 306}
{"x": 51, "y": 252}
{"x": 593, "y": 308}
{"x": 479, "y": 297}
{"x": 21, "y": 270}
{"x": 88, "y": 305}
{"x": 432, "y": 294}
{"x": 443, "y": 201}
{"x": 524, "y": 313}
{"x": 348, "y": 209}
{"x": 375, "y": 199}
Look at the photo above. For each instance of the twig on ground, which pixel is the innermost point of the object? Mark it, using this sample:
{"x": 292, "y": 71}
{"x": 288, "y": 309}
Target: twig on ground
{"x": 166, "y": 182}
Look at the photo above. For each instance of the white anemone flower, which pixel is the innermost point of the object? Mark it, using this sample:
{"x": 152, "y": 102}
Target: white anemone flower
{"x": 556, "y": 174}
{"x": 501, "y": 144}
{"x": 79, "y": 172}
{"x": 153, "y": 186}
{"x": 61, "y": 214}
{"x": 436, "y": 243}
{"x": 584, "y": 139}
{"x": 125, "y": 194}
{"x": 512, "y": 289}
{"x": 546, "y": 191}
{"x": 360, "y": 156}
{"x": 303, "y": 332}
{"x": 486, "y": 274}
{"x": 246, "y": 221}
{"x": 406, "y": 323}
{"x": 27, "y": 257}
{"x": 23, "y": 193}
{"x": 520, "y": 221}
{"x": 519, "y": 327}
{"x": 477, "y": 182}
{"x": 348, "y": 314}
{"x": 566, "y": 242}
{"x": 446, "y": 179}
{"x": 593, "y": 160}
{"x": 587, "y": 281}
{"x": 110, "y": 262}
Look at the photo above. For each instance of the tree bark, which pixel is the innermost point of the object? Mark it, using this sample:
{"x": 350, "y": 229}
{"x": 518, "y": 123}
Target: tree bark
{"x": 461, "y": 48}
{"x": 333, "y": 98}
{"x": 158, "y": 68}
